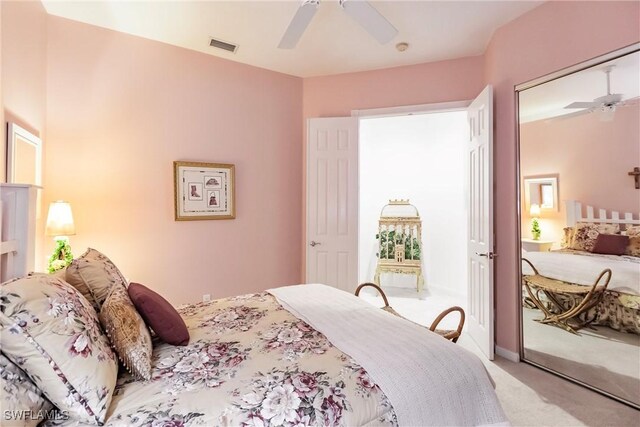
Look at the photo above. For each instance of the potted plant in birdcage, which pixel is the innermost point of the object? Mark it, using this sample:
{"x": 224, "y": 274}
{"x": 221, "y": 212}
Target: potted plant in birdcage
{"x": 399, "y": 241}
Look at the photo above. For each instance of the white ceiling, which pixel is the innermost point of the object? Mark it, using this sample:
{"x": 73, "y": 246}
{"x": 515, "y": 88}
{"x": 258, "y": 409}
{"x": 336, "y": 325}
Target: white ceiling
{"x": 332, "y": 44}
{"x": 548, "y": 100}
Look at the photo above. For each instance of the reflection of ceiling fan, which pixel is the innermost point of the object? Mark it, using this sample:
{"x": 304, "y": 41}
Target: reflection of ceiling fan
{"x": 606, "y": 105}
{"x": 361, "y": 11}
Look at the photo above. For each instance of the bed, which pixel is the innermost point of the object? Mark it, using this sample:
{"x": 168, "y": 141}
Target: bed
{"x": 619, "y": 307}
{"x": 295, "y": 355}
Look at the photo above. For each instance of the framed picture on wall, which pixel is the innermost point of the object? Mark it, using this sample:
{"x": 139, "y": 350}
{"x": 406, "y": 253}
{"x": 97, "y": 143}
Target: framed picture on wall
{"x": 204, "y": 191}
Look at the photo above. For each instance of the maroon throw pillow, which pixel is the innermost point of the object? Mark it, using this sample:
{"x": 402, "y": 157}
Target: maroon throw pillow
{"x": 610, "y": 244}
{"x": 159, "y": 315}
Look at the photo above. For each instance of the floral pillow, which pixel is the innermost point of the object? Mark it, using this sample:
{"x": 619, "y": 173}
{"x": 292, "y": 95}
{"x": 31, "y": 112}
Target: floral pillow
{"x": 51, "y": 331}
{"x": 23, "y": 404}
{"x": 93, "y": 274}
{"x": 633, "y": 248}
{"x": 128, "y": 333}
{"x": 586, "y": 234}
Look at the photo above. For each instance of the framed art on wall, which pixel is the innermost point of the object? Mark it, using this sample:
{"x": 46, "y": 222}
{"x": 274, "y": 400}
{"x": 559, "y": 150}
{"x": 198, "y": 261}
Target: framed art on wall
{"x": 204, "y": 191}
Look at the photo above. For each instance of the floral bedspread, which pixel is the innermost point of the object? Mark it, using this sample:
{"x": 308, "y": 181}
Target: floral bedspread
{"x": 250, "y": 363}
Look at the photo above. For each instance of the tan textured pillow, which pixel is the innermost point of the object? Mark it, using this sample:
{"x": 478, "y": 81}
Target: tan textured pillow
{"x": 567, "y": 237}
{"x": 632, "y": 230}
{"x": 586, "y": 234}
{"x": 633, "y": 248}
{"x": 51, "y": 331}
{"x": 128, "y": 333}
{"x": 93, "y": 274}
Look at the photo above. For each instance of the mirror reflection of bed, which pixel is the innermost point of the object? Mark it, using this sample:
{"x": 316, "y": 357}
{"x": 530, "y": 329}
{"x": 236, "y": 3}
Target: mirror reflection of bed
{"x": 576, "y": 320}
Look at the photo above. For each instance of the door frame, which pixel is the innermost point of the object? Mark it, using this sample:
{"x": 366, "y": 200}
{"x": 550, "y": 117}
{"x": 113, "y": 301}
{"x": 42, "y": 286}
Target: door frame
{"x": 402, "y": 110}
{"x": 407, "y": 110}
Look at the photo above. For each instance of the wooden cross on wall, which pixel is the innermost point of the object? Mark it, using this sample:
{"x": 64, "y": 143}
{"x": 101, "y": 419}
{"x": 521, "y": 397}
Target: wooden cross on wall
{"x": 635, "y": 173}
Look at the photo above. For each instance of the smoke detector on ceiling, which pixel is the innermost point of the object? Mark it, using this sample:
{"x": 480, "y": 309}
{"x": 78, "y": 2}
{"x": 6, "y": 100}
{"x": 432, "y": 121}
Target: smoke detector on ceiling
{"x": 220, "y": 44}
{"x": 402, "y": 46}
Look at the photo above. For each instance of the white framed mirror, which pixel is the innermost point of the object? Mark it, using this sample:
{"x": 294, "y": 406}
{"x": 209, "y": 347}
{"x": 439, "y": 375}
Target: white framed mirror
{"x": 541, "y": 191}
{"x": 24, "y": 156}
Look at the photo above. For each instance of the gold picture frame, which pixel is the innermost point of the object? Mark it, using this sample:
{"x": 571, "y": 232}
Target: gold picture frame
{"x": 204, "y": 191}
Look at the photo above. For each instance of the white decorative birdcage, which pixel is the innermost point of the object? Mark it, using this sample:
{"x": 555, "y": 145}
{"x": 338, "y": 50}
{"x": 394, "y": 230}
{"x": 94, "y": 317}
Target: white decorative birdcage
{"x": 400, "y": 241}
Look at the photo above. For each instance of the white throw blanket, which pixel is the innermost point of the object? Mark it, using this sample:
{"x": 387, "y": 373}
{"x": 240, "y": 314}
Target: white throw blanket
{"x": 428, "y": 380}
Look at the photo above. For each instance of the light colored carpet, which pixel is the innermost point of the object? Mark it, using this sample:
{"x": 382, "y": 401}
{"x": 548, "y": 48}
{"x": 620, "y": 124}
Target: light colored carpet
{"x": 529, "y": 396}
{"x": 604, "y": 358}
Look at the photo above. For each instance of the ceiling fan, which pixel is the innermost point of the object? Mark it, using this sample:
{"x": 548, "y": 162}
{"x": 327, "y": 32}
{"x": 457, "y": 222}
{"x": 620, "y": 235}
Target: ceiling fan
{"x": 606, "y": 105}
{"x": 360, "y": 10}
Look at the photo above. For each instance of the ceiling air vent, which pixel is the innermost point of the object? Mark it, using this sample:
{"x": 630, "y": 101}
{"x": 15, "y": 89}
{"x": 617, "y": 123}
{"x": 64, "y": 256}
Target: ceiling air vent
{"x": 223, "y": 45}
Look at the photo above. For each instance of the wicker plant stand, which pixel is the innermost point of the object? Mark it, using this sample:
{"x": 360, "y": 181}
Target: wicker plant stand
{"x": 583, "y": 298}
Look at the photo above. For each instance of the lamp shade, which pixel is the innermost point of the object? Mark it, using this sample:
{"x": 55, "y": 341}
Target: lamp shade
{"x": 534, "y": 210}
{"x": 60, "y": 220}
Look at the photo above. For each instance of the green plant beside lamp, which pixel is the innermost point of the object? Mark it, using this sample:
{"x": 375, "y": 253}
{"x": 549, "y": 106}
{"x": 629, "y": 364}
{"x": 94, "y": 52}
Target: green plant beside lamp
{"x": 60, "y": 226}
{"x": 534, "y": 211}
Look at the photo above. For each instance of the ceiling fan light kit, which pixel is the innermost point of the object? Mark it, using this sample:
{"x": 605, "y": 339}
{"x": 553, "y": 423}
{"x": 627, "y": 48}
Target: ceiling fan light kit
{"x": 605, "y": 105}
{"x": 359, "y": 10}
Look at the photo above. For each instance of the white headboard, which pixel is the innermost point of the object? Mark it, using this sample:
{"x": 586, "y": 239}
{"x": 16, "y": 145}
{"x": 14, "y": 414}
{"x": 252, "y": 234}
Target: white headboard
{"x": 18, "y": 233}
{"x": 575, "y": 214}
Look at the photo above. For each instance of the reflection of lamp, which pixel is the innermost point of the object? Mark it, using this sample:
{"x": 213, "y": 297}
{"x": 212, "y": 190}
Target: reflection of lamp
{"x": 534, "y": 211}
{"x": 60, "y": 225}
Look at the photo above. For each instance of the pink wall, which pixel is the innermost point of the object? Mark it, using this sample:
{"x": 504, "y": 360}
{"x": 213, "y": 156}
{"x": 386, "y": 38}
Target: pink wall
{"x": 453, "y": 80}
{"x": 121, "y": 109}
{"x": 592, "y": 158}
{"x": 548, "y": 38}
{"x": 23, "y": 71}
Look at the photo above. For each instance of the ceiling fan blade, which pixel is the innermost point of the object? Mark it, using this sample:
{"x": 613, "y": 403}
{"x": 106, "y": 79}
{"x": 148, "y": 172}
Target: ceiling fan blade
{"x": 630, "y": 102}
{"x": 570, "y": 115}
{"x": 370, "y": 19}
{"x": 582, "y": 105}
{"x": 299, "y": 24}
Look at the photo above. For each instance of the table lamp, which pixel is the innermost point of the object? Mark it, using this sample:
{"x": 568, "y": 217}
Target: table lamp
{"x": 534, "y": 211}
{"x": 60, "y": 226}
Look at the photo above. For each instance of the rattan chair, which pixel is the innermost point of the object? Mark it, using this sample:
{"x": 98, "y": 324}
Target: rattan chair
{"x": 450, "y": 334}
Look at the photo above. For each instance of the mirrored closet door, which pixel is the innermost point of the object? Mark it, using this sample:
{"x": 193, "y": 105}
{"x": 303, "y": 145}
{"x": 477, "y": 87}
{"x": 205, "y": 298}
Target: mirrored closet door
{"x": 579, "y": 180}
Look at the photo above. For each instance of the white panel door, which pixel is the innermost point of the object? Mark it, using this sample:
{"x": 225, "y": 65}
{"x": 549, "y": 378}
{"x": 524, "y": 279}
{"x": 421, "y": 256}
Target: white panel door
{"x": 481, "y": 255}
{"x": 332, "y": 202}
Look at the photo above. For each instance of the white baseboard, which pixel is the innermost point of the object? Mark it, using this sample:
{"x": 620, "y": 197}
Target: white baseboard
{"x": 507, "y": 354}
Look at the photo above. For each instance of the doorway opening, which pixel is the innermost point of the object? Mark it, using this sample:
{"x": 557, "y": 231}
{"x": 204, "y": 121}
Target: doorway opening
{"x": 421, "y": 158}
